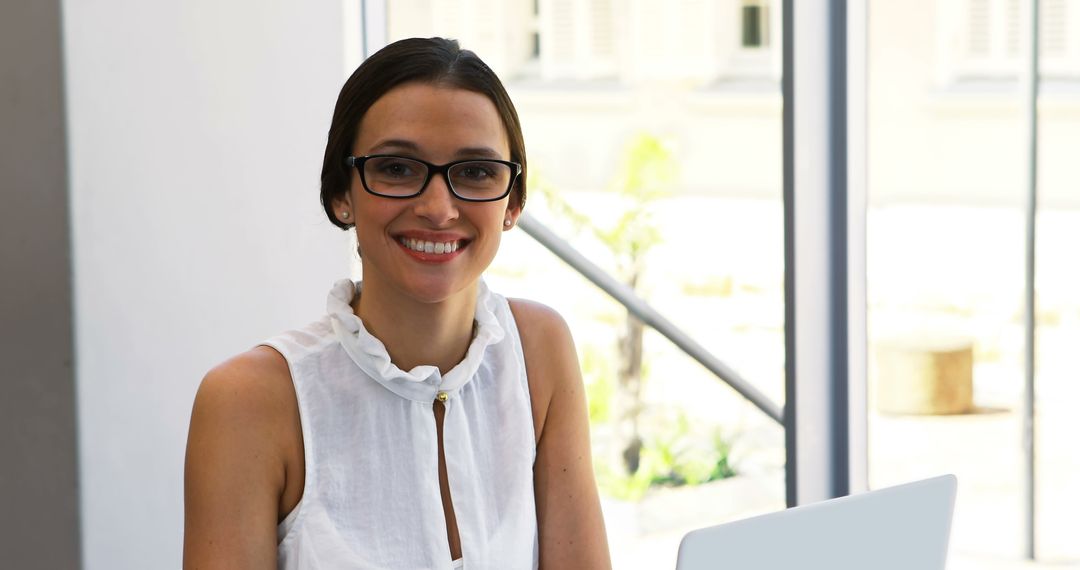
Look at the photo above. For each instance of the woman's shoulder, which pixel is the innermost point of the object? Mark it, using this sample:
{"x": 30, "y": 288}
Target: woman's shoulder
{"x": 543, "y": 331}
{"x": 250, "y": 394}
{"x": 260, "y": 369}
{"x": 244, "y": 455}
{"x": 538, "y": 320}
{"x": 551, "y": 360}
{"x": 248, "y": 402}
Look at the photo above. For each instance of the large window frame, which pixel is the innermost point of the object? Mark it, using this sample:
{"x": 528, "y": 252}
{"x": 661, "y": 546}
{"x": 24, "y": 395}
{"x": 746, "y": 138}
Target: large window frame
{"x": 824, "y": 88}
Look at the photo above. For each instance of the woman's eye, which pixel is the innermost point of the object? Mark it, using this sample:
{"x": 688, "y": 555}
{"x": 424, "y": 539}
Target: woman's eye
{"x": 475, "y": 172}
{"x": 398, "y": 169}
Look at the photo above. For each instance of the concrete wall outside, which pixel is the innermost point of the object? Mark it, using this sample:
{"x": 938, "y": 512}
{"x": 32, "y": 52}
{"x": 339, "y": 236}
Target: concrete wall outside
{"x": 931, "y": 138}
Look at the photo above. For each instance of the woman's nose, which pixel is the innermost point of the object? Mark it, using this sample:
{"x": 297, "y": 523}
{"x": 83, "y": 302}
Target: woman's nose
{"x": 436, "y": 203}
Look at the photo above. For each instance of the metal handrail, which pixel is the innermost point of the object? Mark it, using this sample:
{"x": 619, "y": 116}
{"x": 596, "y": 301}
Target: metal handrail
{"x": 647, "y": 314}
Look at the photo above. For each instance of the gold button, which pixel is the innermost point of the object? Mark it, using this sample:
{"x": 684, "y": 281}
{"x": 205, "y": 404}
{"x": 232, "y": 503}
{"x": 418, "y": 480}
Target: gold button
{"x": 441, "y": 396}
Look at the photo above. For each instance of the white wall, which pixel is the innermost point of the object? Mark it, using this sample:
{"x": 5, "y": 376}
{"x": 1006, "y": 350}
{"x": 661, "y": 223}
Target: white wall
{"x": 196, "y": 137}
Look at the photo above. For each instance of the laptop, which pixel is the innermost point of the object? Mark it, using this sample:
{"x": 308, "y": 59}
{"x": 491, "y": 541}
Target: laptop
{"x": 897, "y": 528}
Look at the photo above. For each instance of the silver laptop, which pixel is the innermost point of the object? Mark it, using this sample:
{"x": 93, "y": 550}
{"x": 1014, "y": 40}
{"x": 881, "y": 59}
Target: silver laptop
{"x": 897, "y": 528}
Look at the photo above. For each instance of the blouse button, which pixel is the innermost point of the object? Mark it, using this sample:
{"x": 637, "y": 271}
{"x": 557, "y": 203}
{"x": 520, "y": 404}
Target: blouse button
{"x": 441, "y": 396}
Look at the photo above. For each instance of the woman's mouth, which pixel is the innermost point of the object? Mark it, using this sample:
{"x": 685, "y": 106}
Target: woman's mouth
{"x": 431, "y": 247}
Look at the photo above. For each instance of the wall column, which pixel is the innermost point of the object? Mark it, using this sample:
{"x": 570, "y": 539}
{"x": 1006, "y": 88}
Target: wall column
{"x": 38, "y": 448}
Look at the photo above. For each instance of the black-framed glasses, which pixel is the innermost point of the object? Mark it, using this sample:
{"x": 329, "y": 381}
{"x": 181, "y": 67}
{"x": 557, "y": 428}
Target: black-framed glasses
{"x": 472, "y": 180}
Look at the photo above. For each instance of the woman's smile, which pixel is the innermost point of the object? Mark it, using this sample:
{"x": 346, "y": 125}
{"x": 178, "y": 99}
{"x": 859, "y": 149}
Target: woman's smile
{"x": 428, "y": 247}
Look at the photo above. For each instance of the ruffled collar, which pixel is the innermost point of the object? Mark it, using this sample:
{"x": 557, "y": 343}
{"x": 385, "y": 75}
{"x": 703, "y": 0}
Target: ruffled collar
{"x": 422, "y": 383}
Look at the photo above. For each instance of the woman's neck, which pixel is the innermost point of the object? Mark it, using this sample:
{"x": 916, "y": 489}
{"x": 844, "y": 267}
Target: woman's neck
{"x": 417, "y": 333}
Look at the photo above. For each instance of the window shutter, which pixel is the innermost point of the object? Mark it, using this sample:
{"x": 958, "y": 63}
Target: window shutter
{"x": 558, "y": 31}
{"x": 561, "y": 30}
{"x": 603, "y": 30}
{"x": 979, "y": 28}
{"x": 1013, "y": 34}
{"x": 1053, "y": 34}
{"x": 995, "y": 35}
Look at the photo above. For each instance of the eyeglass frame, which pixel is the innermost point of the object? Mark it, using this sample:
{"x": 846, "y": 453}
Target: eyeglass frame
{"x": 358, "y": 162}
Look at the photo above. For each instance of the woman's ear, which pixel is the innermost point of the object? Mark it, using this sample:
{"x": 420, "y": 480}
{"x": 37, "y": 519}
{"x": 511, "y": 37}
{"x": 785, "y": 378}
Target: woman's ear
{"x": 513, "y": 211}
{"x": 343, "y": 210}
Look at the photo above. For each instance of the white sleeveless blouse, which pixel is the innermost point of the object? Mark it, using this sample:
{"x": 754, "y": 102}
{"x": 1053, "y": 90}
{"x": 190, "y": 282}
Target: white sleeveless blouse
{"x": 371, "y": 490}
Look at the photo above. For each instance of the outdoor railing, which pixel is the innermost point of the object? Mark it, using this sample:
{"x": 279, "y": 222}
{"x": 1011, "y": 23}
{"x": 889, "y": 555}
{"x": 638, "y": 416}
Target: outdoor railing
{"x": 647, "y": 314}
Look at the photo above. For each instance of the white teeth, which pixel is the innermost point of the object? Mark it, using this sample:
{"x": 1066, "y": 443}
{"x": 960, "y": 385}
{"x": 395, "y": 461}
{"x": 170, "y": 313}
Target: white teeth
{"x": 437, "y": 248}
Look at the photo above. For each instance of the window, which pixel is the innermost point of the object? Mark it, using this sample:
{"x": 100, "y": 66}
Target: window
{"x": 755, "y": 24}
{"x": 576, "y": 40}
{"x": 534, "y": 31}
{"x": 750, "y": 51}
{"x": 985, "y": 39}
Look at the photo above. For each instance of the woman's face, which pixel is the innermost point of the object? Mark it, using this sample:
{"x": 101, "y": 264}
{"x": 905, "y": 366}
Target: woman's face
{"x": 438, "y": 125}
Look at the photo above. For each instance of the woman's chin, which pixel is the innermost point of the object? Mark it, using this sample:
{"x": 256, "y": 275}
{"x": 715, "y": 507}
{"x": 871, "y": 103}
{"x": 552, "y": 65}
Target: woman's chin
{"x": 433, "y": 291}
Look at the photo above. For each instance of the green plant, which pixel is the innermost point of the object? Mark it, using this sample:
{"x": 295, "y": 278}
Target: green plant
{"x": 676, "y": 455}
{"x": 647, "y": 172}
{"x": 683, "y": 458}
{"x": 614, "y": 482}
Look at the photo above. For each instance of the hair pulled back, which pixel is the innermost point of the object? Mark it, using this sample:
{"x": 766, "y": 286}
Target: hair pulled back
{"x": 438, "y": 61}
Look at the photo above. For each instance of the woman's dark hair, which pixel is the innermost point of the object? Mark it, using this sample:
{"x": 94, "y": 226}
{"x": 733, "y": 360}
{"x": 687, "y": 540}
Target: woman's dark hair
{"x": 434, "y": 60}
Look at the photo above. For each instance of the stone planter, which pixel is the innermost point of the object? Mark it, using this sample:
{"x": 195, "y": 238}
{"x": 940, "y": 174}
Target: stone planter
{"x": 924, "y": 375}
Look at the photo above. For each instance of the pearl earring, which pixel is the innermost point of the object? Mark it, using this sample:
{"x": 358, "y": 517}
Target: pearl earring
{"x": 345, "y": 214}
{"x": 507, "y": 222}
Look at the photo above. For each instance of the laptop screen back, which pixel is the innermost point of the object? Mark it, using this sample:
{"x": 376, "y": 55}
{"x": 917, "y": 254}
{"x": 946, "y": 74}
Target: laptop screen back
{"x": 896, "y": 528}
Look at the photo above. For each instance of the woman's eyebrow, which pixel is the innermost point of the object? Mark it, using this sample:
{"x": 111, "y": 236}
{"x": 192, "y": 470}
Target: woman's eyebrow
{"x": 410, "y": 146}
{"x": 396, "y": 144}
{"x": 479, "y": 151}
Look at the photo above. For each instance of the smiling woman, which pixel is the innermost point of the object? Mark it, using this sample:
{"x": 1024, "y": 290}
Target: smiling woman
{"x": 425, "y": 421}
{"x": 424, "y": 121}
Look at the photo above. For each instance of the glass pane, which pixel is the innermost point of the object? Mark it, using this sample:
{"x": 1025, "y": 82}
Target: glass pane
{"x": 947, "y": 181}
{"x": 654, "y": 146}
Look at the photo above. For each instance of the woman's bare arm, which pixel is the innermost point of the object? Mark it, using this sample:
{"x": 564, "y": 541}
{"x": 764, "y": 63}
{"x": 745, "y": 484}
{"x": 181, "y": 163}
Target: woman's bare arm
{"x": 234, "y": 473}
{"x": 571, "y": 525}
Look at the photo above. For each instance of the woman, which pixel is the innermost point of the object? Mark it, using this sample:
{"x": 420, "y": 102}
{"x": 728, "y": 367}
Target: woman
{"x": 425, "y": 422}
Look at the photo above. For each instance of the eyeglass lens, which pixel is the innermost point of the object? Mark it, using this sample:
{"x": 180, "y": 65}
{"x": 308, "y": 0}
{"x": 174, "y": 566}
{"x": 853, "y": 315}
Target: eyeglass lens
{"x": 473, "y": 180}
